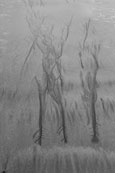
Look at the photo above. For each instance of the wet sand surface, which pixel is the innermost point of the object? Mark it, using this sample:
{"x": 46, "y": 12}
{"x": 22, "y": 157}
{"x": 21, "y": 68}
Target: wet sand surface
{"x": 15, "y": 41}
{"x": 15, "y": 36}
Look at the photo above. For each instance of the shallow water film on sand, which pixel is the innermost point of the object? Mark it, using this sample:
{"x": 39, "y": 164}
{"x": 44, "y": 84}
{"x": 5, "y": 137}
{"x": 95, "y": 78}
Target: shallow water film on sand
{"x": 57, "y": 86}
